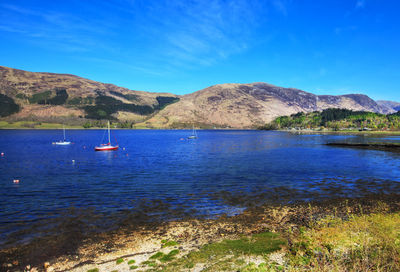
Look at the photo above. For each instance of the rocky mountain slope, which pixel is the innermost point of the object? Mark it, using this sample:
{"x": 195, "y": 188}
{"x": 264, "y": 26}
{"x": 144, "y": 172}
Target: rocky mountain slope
{"x": 250, "y": 105}
{"x": 389, "y": 106}
{"x": 54, "y": 97}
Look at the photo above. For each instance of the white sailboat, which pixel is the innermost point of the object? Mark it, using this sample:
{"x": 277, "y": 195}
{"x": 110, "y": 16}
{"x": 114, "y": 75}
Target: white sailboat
{"x": 64, "y": 141}
{"x": 107, "y": 146}
{"x": 194, "y": 134}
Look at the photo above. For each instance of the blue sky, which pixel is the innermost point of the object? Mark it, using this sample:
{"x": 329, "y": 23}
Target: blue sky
{"x": 323, "y": 47}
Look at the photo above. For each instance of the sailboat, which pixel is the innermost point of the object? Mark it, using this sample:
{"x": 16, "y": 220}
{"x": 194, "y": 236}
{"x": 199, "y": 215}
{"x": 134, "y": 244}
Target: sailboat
{"x": 194, "y": 134}
{"x": 107, "y": 146}
{"x": 63, "y": 142}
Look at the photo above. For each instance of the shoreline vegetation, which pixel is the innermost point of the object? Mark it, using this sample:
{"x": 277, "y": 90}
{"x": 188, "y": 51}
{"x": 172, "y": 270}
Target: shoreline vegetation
{"x": 100, "y": 125}
{"x": 4, "y": 125}
{"x": 356, "y": 234}
{"x": 338, "y": 120}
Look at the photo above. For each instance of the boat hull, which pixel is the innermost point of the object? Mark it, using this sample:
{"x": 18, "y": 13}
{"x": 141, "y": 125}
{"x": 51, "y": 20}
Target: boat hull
{"x": 62, "y": 143}
{"x": 106, "y": 148}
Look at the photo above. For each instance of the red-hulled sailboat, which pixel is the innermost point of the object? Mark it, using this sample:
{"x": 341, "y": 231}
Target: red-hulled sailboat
{"x": 107, "y": 146}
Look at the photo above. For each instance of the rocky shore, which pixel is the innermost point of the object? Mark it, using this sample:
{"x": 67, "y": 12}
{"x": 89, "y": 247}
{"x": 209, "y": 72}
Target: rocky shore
{"x": 392, "y": 147}
{"x": 134, "y": 249}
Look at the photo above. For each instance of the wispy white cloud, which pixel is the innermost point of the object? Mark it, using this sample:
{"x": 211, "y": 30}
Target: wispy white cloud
{"x": 201, "y": 32}
{"x": 281, "y": 6}
{"x": 169, "y": 34}
{"x": 360, "y": 4}
{"x": 49, "y": 28}
{"x": 18, "y": 9}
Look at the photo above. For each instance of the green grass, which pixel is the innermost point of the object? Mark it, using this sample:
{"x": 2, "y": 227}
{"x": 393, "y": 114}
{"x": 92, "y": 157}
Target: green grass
{"x": 150, "y": 263}
{"x": 4, "y": 124}
{"x": 93, "y": 270}
{"x": 227, "y": 255}
{"x": 131, "y": 262}
{"x": 19, "y": 124}
{"x": 170, "y": 256}
{"x": 140, "y": 126}
{"x": 257, "y": 244}
{"x": 132, "y": 267}
{"x": 262, "y": 267}
{"x": 120, "y": 260}
{"x": 35, "y": 125}
{"x": 166, "y": 243}
{"x": 158, "y": 255}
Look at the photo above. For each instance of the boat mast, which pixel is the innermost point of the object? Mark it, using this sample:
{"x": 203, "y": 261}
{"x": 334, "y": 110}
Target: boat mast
{"x": 64, "y": 132}
{"x": 109, "y": 140}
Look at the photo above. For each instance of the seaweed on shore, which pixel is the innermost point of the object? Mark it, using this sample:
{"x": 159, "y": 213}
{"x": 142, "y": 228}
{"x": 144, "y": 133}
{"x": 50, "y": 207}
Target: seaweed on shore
{"x": 76, "y": 232}
{"x": 36, "y": 242}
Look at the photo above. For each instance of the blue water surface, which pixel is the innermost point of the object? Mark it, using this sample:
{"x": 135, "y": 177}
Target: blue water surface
{"x": 164, "y": 165}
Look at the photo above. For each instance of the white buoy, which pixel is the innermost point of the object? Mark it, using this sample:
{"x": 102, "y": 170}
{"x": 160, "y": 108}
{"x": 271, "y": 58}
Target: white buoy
{"x": 73, "y": 161}
{"x": 2, "y": 153}
{"x": 16, "y": 180}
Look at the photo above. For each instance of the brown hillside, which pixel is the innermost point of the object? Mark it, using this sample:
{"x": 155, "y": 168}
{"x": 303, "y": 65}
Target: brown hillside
{"x": 224, "y": 105}
{"x": 250, "y": 105}
{"x": 23, "y": 85}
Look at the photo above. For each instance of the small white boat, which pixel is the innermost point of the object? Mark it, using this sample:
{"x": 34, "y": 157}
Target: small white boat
{"x": 63, "y": 142}
{"x": 194, "y": 134}
{"x": 107, "y": 146}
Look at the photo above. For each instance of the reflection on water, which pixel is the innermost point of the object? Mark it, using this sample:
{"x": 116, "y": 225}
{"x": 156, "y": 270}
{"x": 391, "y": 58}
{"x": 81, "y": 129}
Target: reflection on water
{"x": 220, "y": 172}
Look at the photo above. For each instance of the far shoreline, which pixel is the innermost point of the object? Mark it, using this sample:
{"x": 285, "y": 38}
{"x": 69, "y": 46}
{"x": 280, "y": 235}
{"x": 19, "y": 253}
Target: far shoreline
{"x": 344, "y": 132}
{"x": 54, "y": 126}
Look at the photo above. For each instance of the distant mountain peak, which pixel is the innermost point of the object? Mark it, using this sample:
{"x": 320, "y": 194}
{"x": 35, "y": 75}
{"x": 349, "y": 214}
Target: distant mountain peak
{"x": 48, "y": 96}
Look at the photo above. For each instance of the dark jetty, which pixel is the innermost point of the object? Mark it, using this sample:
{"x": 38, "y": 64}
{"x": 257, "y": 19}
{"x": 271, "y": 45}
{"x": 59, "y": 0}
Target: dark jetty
{"x": 394, "y": 147}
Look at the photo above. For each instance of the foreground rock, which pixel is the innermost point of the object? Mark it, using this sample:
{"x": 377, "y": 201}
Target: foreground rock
{"x": 125, "y": 249}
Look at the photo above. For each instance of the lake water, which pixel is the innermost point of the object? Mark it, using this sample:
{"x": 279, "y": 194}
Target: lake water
{"x": 161, "y": 174}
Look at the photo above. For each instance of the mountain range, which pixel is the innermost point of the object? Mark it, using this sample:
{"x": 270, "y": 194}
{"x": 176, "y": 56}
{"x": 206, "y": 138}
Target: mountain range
{"x": 50, "y": 97}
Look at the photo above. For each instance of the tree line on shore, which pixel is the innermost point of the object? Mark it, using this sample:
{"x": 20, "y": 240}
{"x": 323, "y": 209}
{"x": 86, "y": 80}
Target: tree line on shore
{"x": 337, "y": 119}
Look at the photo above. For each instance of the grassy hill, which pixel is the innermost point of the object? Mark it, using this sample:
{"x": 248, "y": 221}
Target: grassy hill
{"x": 38, "y": 97}
{"x": 41, "y": 97}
